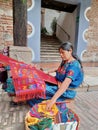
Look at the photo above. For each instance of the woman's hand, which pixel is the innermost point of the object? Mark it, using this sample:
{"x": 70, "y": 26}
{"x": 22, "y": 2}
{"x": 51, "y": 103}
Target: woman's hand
{"x": 50, "y": 104}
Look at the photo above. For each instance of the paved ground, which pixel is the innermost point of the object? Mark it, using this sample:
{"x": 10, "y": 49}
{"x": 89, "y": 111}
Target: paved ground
{"x": 86, "y": 106}
{"x": 11, "y": 118}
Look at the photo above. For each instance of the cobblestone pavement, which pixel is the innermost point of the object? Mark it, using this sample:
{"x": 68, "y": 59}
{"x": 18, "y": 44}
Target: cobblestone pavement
{"x": 86, "y": 106}
{"x": 11, "y": 118}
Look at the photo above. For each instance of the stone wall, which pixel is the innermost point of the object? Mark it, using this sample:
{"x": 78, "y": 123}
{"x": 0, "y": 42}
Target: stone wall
{"x": 6, "y": 23}
{"x": 91, "y": 54}
{"x": 6, "y": 34}
{"x": 20, "y": 53}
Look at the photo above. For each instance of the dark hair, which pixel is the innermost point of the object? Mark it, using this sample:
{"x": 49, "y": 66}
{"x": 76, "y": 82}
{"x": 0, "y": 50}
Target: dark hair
{"x": 67, "y": 46}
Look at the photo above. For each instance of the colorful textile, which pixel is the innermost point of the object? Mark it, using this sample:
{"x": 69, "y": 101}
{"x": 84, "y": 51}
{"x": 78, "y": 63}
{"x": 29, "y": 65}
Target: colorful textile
{"x": 71, "y": 124}
{"x": 70, "y": 70}
{"x": 39, "y": 111}
{"x": 10, "y": 87}
{"x": 28, "y": 81}
{"x": 62, "y": 115}
{"x": 63, "y": 119}
{"x": 39, "y": 119}
{"x": 50, "y": 91}
{"x": 45, "y": 123}
{"x": 66, "y": 126}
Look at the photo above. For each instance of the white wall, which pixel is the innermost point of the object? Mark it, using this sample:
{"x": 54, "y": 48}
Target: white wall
{"x": 68, "y": 22}
{"x": 49, "y": 16}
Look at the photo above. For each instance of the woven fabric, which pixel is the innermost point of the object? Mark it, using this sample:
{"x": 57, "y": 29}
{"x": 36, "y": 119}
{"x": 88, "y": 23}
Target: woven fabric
{"x": 66, "y": 126}
{"x": 39, "y": 119}
{"x": 27, "y": 82}
{"x": 39, "y": 111}
{"x": 44, "y": 124}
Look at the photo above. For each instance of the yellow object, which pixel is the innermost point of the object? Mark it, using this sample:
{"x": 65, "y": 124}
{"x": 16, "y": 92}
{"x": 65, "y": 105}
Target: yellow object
{"x": 31, "y": 120}
{"x": 51, "y": 113}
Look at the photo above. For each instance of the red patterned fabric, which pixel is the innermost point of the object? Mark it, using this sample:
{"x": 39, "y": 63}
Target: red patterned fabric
{"x": 28, "y": 81}
{"x": 70, "y": 73}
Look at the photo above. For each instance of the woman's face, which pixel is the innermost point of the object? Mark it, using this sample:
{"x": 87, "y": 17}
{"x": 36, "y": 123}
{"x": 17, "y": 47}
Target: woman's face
{"x": 65, "y": 55}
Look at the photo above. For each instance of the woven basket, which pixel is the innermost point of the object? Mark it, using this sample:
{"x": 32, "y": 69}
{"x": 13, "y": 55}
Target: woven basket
{"x": 26, "y": 126}
{"x": 77, "y": 119}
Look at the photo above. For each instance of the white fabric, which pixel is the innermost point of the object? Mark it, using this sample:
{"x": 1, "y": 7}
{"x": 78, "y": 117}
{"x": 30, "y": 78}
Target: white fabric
{"x": 65, "y": 126}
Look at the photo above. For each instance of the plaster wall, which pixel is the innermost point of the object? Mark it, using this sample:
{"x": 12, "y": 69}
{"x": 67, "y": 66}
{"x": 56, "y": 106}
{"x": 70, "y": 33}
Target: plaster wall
{"x": 49, "y": 16}
{"x": 34, "y": 19}
{"x": 67, "y": 22}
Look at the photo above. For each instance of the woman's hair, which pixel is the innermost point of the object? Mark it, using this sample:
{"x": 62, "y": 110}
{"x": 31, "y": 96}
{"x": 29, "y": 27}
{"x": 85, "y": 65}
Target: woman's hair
{"x": 67, "y": 46}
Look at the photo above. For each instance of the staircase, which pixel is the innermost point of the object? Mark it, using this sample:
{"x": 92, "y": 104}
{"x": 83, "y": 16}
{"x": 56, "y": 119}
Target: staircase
{"x": 49, "y": 49}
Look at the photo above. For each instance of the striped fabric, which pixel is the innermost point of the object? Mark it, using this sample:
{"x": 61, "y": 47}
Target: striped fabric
{"x": 62, "y": 117}
{"x": 66, "y": 126}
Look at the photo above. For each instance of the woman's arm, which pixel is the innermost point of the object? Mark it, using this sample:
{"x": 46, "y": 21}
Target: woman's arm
{"x": 65, "y": 84}
{"x": 52, "y": 71}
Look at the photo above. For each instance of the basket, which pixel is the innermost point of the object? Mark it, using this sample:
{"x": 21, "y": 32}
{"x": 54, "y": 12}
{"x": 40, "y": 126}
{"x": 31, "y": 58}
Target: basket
{"x": 70, "y": 124}
{"x": 26, "y": 126}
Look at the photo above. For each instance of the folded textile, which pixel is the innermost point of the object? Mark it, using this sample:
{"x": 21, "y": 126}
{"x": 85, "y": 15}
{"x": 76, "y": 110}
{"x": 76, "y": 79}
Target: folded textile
{"x": 59, "y": 117}
{"x": 42, "y": 125}
{"x": 39, "y": 111}
{"x": 38, "y": 118}
{"x": 65, "y": 126}
{"x": 28, "y": 81}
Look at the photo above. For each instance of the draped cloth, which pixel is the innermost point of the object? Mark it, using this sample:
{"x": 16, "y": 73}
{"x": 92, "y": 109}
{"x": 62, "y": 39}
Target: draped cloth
{"x": 28, "y": 81}
{"x": 58, "y": 118}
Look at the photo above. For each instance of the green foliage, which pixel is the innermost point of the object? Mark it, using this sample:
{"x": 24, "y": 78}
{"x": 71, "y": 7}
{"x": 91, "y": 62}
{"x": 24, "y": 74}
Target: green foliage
{"x": 24, "y": 1}
{"x": 53, "y": 25}
{"x": 44, "y": 31}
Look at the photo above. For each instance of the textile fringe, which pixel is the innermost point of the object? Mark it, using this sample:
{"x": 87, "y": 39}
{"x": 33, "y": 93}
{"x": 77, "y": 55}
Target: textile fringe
{"x": 29, "y": 95}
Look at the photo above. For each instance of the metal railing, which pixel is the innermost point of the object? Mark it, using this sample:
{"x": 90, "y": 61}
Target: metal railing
{"x": 64, "y": 31}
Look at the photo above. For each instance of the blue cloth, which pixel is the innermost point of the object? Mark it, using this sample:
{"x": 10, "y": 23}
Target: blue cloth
{"x": 70, "y": 70}
{"x": 10, "y": 87}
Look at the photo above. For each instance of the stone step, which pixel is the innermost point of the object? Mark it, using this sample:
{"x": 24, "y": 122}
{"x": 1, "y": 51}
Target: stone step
{"x": 53, "y": 41}
{"x": 50, "y": 45}
{"x": 50, "y": 60}
{"x": 50, "y": 54}
{"x": 49, "y": 49}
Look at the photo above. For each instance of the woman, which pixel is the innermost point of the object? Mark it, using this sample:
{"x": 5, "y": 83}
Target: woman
{"x": 69, "y": 76}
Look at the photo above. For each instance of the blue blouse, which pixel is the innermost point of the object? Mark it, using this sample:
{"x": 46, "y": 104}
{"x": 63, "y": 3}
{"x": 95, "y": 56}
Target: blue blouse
{"x": 70, "y": 70}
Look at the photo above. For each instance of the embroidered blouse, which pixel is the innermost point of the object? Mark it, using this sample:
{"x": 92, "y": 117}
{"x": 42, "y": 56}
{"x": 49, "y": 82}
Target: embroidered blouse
{"x": 70, "y": 70}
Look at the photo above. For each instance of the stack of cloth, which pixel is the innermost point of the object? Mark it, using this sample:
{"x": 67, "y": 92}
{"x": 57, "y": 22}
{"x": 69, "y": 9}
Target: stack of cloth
{"x": 58, "y": 118}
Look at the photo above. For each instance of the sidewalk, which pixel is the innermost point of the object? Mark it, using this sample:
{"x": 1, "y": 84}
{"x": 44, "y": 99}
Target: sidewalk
{"x": 12, "y": 118}
{"x": 91, "y": 78}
